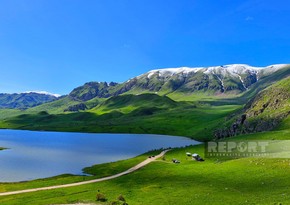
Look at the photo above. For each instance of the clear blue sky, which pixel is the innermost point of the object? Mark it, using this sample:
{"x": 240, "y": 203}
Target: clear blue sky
{"x": 57, "y": 45}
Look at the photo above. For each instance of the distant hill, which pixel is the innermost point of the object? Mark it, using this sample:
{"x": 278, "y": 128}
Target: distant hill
{"x": 24, "y": 100}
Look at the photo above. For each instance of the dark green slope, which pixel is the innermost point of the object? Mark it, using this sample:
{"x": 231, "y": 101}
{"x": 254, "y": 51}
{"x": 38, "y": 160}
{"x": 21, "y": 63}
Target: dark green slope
{"x": 57, "y": 106}
{"x": 136, "y": 101}
{"x": 66, "y": 104}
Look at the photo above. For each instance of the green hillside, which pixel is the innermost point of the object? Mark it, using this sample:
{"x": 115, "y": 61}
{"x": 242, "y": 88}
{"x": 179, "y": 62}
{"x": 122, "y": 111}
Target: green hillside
{"x": 128, "y": 103}
{"x": 263, "y": 112}
{"x": 146, "y": 113}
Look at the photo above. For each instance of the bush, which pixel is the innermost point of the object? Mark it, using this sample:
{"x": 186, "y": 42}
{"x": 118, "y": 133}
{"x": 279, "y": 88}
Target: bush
{"x": 101, "y": 197}
{"x": 121, "y": 198}
{"x": 43, "y": 113}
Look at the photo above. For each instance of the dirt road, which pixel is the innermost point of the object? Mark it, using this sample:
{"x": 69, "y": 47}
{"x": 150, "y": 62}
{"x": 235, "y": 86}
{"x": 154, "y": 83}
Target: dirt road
{"x": 138, "y": 166}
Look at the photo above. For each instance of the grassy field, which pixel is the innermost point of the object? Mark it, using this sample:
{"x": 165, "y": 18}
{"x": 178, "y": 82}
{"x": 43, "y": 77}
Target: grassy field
{"x": 236, "y": 181}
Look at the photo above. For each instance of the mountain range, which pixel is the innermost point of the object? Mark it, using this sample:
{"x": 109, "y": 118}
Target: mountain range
{"x": 25, "y": 100}
{"x": 228, "y": 79}
{"x": 162, "y": 101}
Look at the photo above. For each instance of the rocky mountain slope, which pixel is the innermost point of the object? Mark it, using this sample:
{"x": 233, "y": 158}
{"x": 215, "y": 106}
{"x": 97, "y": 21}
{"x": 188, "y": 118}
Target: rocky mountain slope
{"x": 262, "y": 113}
{"x": 234, "y": 78}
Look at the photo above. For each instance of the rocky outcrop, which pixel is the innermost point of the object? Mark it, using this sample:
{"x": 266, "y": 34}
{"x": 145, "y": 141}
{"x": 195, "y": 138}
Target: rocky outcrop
{"x": 76, "y": 108}
{"x": 264, "y": 112}
{"x": 91, "y": 90}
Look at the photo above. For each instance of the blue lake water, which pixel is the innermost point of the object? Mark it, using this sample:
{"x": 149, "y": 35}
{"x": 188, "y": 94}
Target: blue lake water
{"x": 34, "y": 154}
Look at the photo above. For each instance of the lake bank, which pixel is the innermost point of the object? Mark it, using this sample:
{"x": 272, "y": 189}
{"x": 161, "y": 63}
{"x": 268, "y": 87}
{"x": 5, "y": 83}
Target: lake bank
{"x": 34, "y": 154}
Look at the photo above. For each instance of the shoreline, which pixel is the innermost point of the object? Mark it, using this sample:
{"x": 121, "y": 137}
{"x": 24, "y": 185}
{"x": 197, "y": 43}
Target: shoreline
{"x": 85, "y": 170}
{"x": 90, "y": 132}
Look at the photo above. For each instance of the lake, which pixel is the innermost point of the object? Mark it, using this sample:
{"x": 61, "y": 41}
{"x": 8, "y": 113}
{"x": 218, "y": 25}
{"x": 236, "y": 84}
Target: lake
{"x": 34, "y": 154}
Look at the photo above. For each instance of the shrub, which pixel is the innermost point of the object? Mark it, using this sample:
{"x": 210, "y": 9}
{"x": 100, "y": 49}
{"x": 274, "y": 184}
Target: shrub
{"x": 121, "y": 198}
{"x": 101, "y": 197}
{"x": 43, "y": 113}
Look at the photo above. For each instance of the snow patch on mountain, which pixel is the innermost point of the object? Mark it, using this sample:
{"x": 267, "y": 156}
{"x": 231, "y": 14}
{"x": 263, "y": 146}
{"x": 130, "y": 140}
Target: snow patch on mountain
{"x": 222, "y": 83}
{"x": 224, "y": 70}
{"x": 242, "y": 82}
{"x": 167, "y": 72}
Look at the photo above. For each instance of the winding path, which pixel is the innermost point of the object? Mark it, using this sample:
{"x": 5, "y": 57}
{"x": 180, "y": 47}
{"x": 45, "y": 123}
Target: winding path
{"x": 138, "y": 166}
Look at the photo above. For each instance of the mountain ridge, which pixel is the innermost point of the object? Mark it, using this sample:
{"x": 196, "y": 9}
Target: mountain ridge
{"x": 216, "y": 81}
{"x": 24, "y": 100}
{"x": 229, "y": 79}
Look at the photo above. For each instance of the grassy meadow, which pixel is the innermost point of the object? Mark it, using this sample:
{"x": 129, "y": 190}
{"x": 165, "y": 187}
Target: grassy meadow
{"x": 120, "y": 115}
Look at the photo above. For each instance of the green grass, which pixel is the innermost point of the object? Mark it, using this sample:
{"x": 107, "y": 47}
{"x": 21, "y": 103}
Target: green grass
{"x": 239, "y": 181}
{"x": 54, "y": 107}
{"x": 128, "y": 103}
{"x": 8, "y": 113}
{"x": 190, "y": 121}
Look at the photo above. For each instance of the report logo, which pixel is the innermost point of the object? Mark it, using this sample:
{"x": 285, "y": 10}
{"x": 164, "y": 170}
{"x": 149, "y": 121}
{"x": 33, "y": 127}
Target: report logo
{"x": 239, "y": 149}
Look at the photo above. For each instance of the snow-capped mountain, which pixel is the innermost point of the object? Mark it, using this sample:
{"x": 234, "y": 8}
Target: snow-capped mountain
{"x": 224, "y": 70}
{"x": 233, "y": 78}
{"x": 226, "y": 79}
